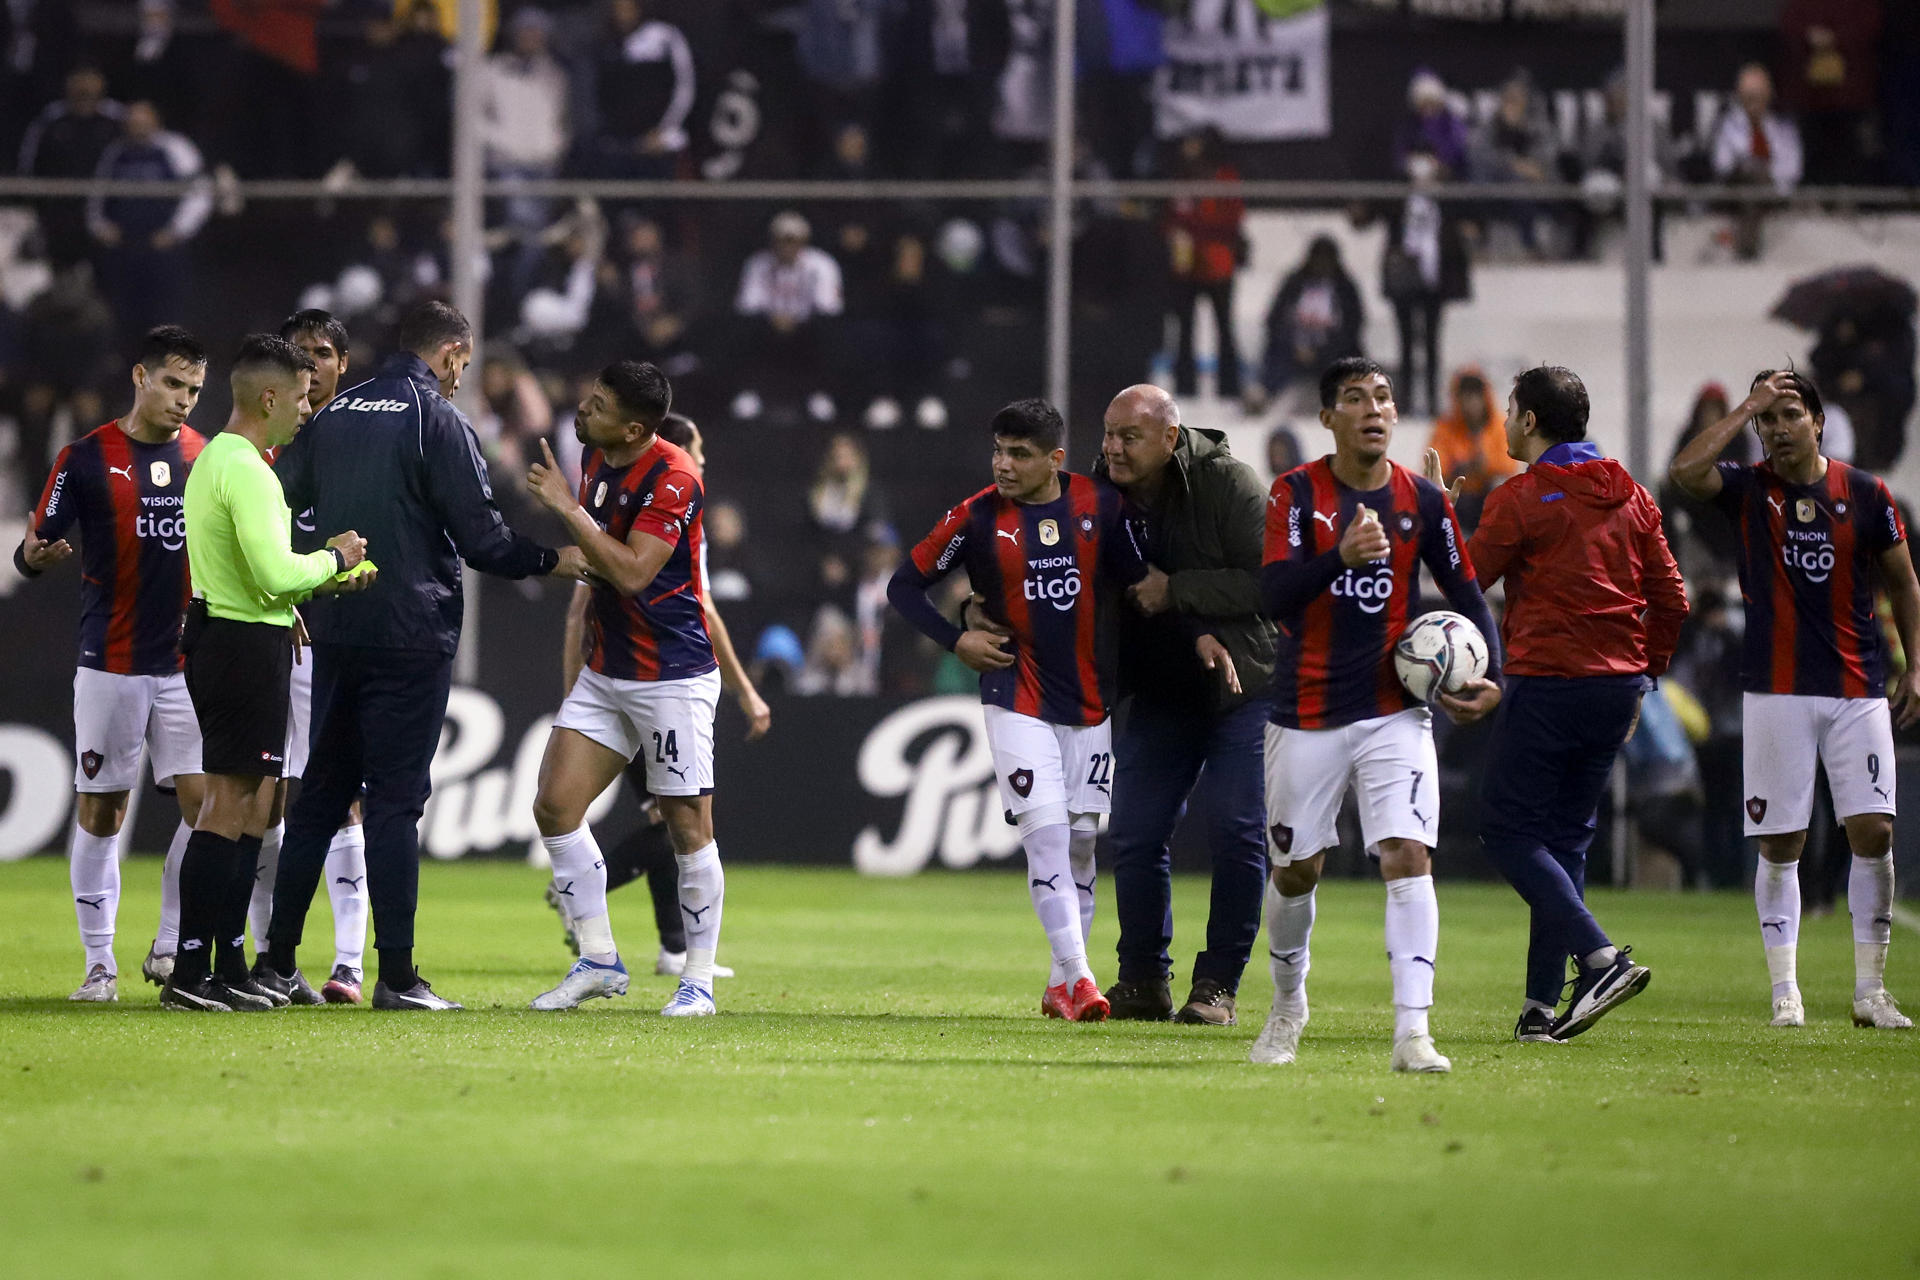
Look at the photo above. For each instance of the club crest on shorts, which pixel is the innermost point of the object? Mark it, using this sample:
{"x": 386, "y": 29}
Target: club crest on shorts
{"x": 1803, "y": 511}
{"x": 1756, "y": 809}
{"x": 160, "y": 473}
{"x": 1049, "y": 533}
{"x": 1282, "y": 837}
{"x": 90, "y": 762}
{"x": 1021, "y": 780}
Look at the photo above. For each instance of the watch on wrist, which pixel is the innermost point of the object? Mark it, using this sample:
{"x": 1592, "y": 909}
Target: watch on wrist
{"x": 339, "y": 560}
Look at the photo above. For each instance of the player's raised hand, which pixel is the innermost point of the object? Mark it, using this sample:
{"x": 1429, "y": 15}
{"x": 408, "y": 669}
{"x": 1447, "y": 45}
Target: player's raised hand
{"x": 42, "y": 555}
{"x": 1431, "y": 464}
{"x": 1768, "y": 393}
{"x": 1151, "y": 594}
{"x": 1475, "y": 701}
{"x": 983, "y": 651}
{"x": 549, "y": 484}
{"x": 1906, "y": 698}
{"x": 1365, "y": 541}
{"x": 351, "y": 546}
{"x": 1214, "y": 657}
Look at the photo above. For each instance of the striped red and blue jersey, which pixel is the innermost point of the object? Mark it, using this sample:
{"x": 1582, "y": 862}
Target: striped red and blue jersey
{"x": 1048, "y": 571}
{"x": 660, "y": 634}
{"x": 1809, "y": 571}
{"x": 1338, "y": 625}
{"x": 125, "y": 497}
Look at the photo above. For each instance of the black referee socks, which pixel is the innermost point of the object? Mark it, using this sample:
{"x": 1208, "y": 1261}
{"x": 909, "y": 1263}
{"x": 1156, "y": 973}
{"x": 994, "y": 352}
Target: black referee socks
{"x": 206, "y": 878}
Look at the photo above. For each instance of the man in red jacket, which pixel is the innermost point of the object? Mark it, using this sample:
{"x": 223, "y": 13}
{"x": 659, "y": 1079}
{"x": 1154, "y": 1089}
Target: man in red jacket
{"x": 1594, "y": 607}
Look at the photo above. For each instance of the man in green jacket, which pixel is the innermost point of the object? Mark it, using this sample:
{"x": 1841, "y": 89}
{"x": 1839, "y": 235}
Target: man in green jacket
{"x": 1187, "y": 725}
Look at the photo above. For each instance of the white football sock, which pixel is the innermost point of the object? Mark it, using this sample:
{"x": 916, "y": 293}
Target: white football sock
{"x": 260, "y": 906}
{"x": 703, "y": 892}
{"x": 1085, "y": 876}
{"x": 93, "y": 868}
{"x": 1050, "y": 886}
{"x": 1870, "y": 900}
{"x": 347, "y": 890}
{"x": 1413, "y": 944}
{"x": 166, "y": 940}
{"x": 580, "y": 877}
{"x": 1289, "y": 949}
{"x": 1776, "y": 895}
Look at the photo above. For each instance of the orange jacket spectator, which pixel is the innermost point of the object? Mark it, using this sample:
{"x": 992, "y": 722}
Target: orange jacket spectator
{"x": 1206, "y": 234}
{"x": 1471, "y": 438}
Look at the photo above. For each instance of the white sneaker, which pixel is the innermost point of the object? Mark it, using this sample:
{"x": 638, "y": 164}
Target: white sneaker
{"x": 1789, "y": 1012}
{"x": 690, "y": 1001}
{"x": 671, "y": 964}
{"x": 1280, "y": 1037}
{"x": 1876, "y": 1010}
{"x": 1416, "y": 1053}
{"x": 102, "y": 987}
{"x": 585, "y": 981}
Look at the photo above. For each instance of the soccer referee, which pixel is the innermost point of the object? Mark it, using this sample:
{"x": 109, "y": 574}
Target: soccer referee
{"x": 239, "y": 642}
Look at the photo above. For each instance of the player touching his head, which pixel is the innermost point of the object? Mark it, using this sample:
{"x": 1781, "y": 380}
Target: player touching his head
{"x": 1051, "y": 552}
{"x": 651, "y": 682}
{"x": 121, "y": 486}
{"x": 1346, "y": 537}
{"x": 1818, "y": 538}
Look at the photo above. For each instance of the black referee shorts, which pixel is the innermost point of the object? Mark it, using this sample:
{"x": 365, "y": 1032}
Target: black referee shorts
{"x": 237, "y": 675}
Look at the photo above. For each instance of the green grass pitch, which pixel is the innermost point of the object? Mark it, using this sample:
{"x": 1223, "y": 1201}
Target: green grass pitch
{"x": 881, "y": 1098}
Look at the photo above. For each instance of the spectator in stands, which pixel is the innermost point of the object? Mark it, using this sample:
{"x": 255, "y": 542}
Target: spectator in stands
{"x": 163, "y": 69}
{"x": 66, "y": 357}
{"x": 1206, "y": 243}
{"x": 1284, "y": 452}
{"x": 843, "y": 504}
{"x": 1601, "y": 166}
{"x": 1431, "y": 127}
{"x": 143, "y": 262}
{"x": 523, "y": 125}
{"x": 1316, "y": 318}
{"x": 648, "y": 305}
{"x": 1864, "y": 361}
{"x": 66, "y": 140}
{"x": 944, "y": 61}
{"x": 1755, "y": 145}
{"x": 842, "y": 53}
{"x": 833, "y": 667}
{"x": 1829, "y": 77}
{"x": 789, "y": 292}
{"x": 1702, "y": 537}
{"x": 643, "y": 87}
{"x": 1471, "y": 439}
{"x": 729, "y": 566}
{"x": 1707, "y": 666}
{"x": 555, "y": 312}
{"x": 1424, "y": 267}
{"x": 1517, "y": 144}
{"x": 398, "y": 96}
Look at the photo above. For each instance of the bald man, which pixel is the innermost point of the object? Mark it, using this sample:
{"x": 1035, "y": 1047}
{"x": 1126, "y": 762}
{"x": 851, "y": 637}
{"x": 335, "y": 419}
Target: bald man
{"x": 1192, "y": 724}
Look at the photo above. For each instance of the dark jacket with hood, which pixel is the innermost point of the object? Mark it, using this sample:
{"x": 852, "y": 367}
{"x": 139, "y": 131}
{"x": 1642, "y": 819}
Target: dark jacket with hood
{"x": 1205, "y": 533}
{"x": 1592, "y": 589}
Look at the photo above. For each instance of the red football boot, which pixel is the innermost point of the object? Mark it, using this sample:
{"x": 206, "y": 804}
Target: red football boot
{"x": 1088, "y": 1004}
{"x": 1057, "y": 1002}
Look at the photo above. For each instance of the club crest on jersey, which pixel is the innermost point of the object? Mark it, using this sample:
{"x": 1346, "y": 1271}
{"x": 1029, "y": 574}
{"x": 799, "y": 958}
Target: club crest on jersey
{"x": 1406, "y": 525}
{"x": 160, "y": 473}
{"x": 600, "y": 494}
{"x": 1803, "y": 511}
{"x": 1282, "y": 837}
{"x": 1756, "y": 809}
{"x": 1021, "y": 780}
{"x": 90, "y": 762}
{"x": 1049, "y": 533}
{"x": 1086, "y": 528}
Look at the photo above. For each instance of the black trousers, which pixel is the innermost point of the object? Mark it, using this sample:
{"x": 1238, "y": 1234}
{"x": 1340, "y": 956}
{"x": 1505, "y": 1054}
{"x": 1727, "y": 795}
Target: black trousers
{"x": 377, "y": 715}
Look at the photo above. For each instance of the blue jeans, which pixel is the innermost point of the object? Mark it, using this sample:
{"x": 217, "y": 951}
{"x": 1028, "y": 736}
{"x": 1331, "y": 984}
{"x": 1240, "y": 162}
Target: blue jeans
{"x": 1554, "y": 742}
{"x": 1160, "y": 756}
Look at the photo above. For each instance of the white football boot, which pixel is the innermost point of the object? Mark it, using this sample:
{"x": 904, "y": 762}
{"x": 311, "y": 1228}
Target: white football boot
{"x": 690, "y": 1001}
{"x": 1788, "y": 1011}
{"x": 1416, "y": 1053}
{"x": 1876, "y": 1010}
{"x": 585, "y": 981}
{"x": 1279, "y": 1039}
{"x": 102, "y": 987}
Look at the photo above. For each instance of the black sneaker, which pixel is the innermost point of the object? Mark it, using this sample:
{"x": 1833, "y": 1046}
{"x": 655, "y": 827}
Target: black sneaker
{"x": 566, "y": 923}
{"x": 1208, "y": 1005}
{"x": 195, "y": 996}
{"x": 1148, "y": 1001}
{"x": 241, "y": 996}
{"x": 418, "y": 996}
{"x": 292, "y": 988}
{"x": 1535, "y": 1027}
{"x": 1598, "y": 991}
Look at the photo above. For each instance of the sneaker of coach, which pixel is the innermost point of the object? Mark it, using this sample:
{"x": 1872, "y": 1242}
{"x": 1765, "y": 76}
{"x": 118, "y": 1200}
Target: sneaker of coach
{"x": 585, "y": 981}
{"x": 157, "y": 968}
{"x": 1147, "y": 1001}
{"x": 195, "y": 996}
{"x": 291, "y": 988}
{"x": 1416, "y": 1053}
{"x": 1209, "y": 1004}
{"x": 1598, "y": 991}
{"x": 102, "y": 986}
{"x": 343, "y": 985}
{"x": 419, "y": 996}
{"x": 1876, "y": 1010}
{"x": 1535, "y": 1027}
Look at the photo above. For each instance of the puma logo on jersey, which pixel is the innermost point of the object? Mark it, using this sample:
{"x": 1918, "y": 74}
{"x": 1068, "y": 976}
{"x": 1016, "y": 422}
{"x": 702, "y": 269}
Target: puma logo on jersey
{"x": 1323, "y": 516}
{"x": 126, "y": 471}
{"x": 1779, "y": 507}
{"x": 1011, "y": 535}
{"x": 674, "y": 489}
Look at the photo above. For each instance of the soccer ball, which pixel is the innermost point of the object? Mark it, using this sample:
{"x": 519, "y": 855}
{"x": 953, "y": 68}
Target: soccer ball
{"x": 1440, "y": 653}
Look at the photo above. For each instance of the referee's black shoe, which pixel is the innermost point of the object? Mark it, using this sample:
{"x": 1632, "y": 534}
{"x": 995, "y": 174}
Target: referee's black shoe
{"x": 1148, "y": 1001}
{"x": 1600, "y": 990}
{"x": 241, "y": 995}
{"x": 194, "y": 995}
{"x": 418, "y": 996}
{"x": 291, "y": 988}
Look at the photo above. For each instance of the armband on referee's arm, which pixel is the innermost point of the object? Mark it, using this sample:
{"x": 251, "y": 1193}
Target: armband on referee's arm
{"x": 20, "y": 561}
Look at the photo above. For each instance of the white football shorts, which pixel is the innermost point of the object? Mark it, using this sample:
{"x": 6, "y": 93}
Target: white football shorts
{"x": 668, "y": 723}
{"x": 1047, "y": 772}
{"x": 1390, "y": 763}
{"x": 299, "y": 717}
{"x": 1783, "y": 734}
{"x": 114, "y": 715}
